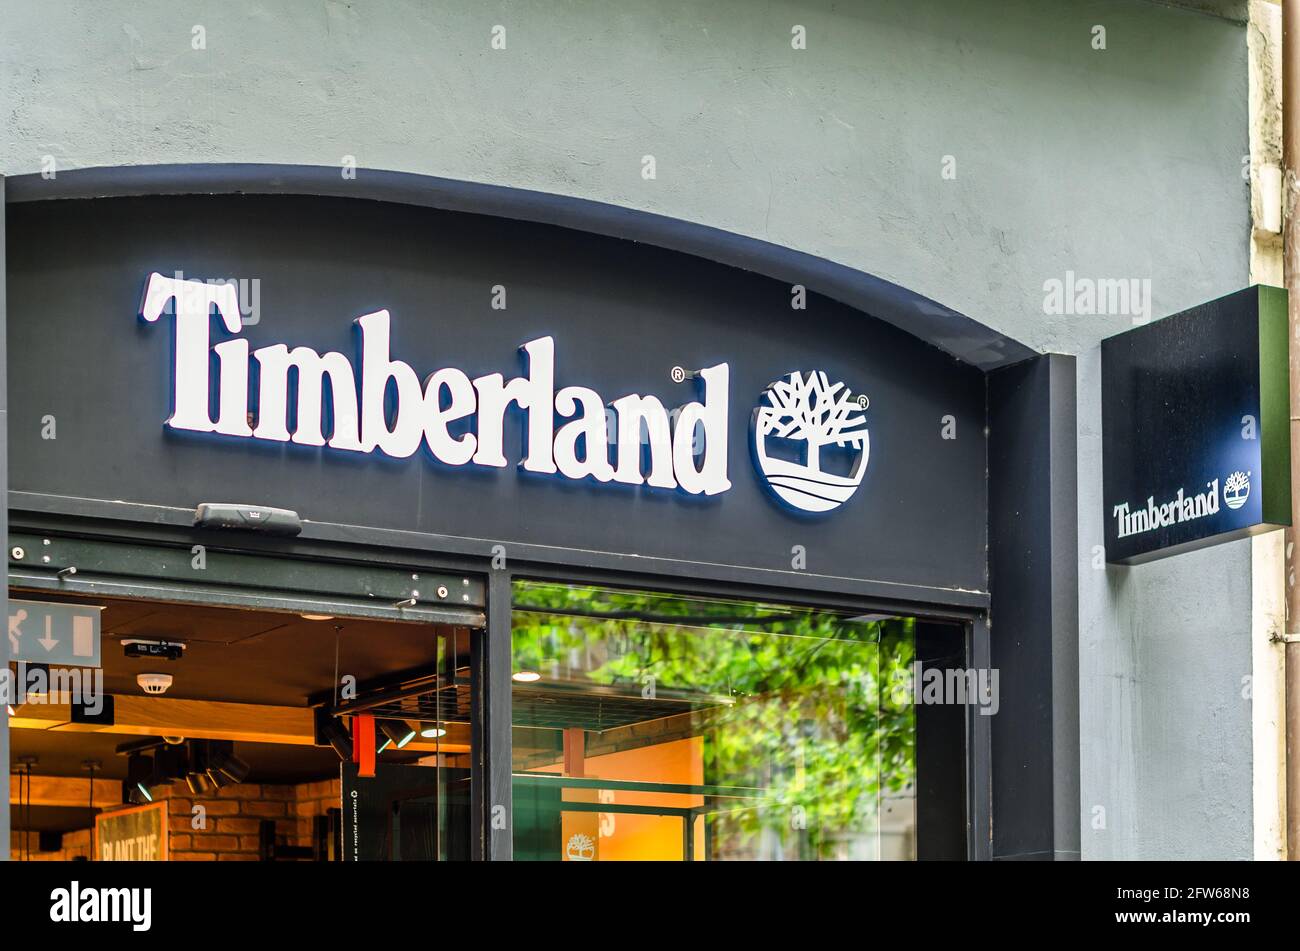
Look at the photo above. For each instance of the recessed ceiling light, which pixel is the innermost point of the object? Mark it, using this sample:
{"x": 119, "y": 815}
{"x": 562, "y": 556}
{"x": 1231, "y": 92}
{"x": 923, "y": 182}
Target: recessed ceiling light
{"x": 431, "y": 732}
{"x": 526, "y": 676}
{"x": 317, "y": 617}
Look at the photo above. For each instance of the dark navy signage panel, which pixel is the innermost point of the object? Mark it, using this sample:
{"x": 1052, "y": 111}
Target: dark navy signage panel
{"x": 826, "y": 441}
{"x": 1196, "y": 437}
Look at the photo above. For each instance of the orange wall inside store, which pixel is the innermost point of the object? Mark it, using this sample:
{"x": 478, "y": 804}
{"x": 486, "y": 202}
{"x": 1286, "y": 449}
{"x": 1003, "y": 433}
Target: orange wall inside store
{"x": 645, "y": 837}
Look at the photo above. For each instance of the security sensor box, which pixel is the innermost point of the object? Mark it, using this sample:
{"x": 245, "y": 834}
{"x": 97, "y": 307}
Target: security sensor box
{"x": 255, "y": 518}
{"x": 156, "y": 650}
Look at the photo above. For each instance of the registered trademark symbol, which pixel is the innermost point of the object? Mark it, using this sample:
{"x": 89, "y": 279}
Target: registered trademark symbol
{"x": 678, "y": 374}
{"x": 863, "y": 402}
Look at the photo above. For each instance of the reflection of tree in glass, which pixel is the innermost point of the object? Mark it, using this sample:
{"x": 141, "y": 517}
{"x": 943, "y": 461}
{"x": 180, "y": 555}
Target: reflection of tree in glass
{"x": 812, "y": 713}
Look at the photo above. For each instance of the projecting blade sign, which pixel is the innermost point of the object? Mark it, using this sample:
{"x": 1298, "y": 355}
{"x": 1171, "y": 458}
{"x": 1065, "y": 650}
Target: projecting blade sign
{"x": 66, "y": 635}
{"x": 1196, "y": 428}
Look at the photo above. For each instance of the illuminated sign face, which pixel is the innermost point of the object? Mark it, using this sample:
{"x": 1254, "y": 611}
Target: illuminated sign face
{"x": 459, "y": 421}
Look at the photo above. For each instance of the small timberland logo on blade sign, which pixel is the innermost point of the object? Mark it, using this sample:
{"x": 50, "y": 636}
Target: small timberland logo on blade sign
{"x": 1236, "y": 489}
{"x": 76, "y": 904}
{"x": 810, "y": 441}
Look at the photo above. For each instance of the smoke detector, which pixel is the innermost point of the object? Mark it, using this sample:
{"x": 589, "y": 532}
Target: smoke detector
{"x": 154, "y": 683}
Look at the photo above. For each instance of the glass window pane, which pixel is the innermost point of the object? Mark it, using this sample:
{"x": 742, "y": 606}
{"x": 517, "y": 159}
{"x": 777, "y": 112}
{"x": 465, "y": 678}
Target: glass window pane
{"x": 652, "y": 726}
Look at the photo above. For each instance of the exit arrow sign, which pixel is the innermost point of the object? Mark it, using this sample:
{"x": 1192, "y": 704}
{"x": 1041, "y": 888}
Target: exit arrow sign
{"x": 48, "y": 642}
{"x": 66, "y": 635}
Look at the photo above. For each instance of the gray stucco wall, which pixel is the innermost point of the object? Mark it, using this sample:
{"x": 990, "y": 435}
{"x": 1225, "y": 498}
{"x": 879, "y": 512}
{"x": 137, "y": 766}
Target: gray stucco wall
{"x": 1122, "y": 162}
{"x": 1165, "y": 731}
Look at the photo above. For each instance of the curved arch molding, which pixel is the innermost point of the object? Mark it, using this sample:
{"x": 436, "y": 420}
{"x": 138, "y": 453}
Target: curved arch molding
{"x": 956, "y": 334}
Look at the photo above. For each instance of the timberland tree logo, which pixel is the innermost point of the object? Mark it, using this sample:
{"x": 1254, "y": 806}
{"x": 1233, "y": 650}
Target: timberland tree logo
{"x": 580, "y": 848}
{"x": 808, "y": 411}
{"x": 1236, "y": 489}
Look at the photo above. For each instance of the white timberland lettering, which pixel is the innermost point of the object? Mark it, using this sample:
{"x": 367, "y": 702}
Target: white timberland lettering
{"x": 385, "y": 407}
{"x": 1181, "y": 508}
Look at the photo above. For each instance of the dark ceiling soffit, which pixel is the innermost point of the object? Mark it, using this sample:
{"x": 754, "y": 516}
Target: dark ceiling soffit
{"x": 954, "y": 333}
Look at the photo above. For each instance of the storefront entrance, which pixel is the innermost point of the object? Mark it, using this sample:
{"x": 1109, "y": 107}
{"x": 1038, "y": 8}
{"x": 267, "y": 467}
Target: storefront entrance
{"x": 645, "y": 725}
{"x": 232, "y": 720}
{"x": 561, "y": 545}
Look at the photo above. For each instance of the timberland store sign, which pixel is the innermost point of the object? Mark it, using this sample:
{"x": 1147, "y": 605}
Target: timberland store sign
{"x": 1196, "y": 433}
{"x": 622, "y": 402}
{"x": 385, "y": 407}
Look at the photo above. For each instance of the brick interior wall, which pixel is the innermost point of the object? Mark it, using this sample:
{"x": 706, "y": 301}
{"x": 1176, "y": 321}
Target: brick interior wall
{"x": 228, "y": 826}
{"x": 23, "y": 846}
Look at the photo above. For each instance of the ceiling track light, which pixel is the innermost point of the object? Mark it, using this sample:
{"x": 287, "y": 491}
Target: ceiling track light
{"x": 223, "y": 763}
{"x": 397, "y": 733}
{"x": 139, "y": 774}
{"x": 330, "y": 731}
{"x": 198, "y": 783}
{"x": 170, "y": 763}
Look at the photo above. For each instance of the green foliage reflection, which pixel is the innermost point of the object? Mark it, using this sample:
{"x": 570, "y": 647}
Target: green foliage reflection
{"x": 810, "y": 707}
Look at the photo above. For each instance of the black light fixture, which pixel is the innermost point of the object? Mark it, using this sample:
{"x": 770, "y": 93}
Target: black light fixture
{"x": 103, "y": 715}
{"x": 397, "y": 733}
{"x": 198, "y": 783}
{"x": 205, "y": 765}
{"x": 170, "y": 763}
{"x": 224, "y": 767}
{"x": 196, "y": 778}
{"x": 330, "y": 731}
{"x": 139, "y": 773}
{"x": 38, "y": 675}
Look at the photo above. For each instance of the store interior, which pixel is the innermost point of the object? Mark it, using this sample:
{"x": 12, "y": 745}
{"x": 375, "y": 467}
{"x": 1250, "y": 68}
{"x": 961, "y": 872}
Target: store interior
{"x": 222, "y": 721}
{"x": 645, "y": 726}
